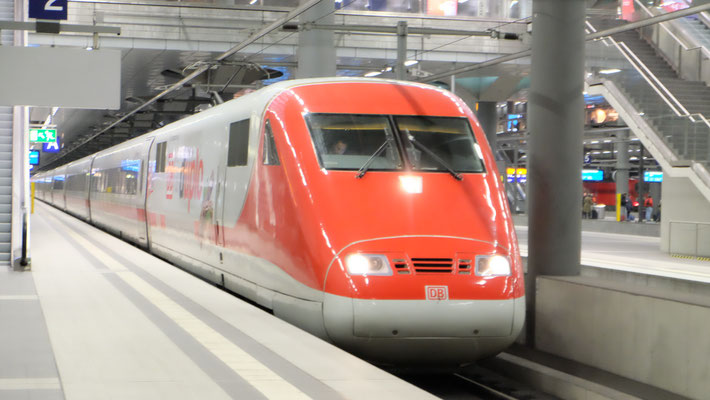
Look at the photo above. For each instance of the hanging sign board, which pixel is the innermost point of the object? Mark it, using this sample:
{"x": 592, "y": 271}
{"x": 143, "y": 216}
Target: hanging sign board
{"x": 48, "y": 9}
{"x": 34, "y": 157}
{"x": 43, "y": 135}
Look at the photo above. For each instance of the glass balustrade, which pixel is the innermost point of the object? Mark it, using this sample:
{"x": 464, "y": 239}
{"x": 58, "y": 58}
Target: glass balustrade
{"x": 688, "y": 136}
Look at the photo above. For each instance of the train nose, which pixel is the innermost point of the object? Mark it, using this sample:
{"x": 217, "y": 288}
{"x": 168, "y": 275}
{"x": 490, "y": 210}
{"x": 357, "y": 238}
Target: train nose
{"x": 434, "y": 309}
{"x": 451, "y": 332}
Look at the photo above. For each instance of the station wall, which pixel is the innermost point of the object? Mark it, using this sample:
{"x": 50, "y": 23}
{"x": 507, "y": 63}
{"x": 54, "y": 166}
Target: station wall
{"x": 658, "y": 336}
{"x": 685, "y": 218}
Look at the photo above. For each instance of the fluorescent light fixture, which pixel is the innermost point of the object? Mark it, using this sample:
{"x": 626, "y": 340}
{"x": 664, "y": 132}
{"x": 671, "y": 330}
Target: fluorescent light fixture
{"x": 609, "y": 71}
{"x": 373, "y": 73}
{"x": 388, "y": 69}
{"x": 252, "y": 2}
{"x": 409, "y": 63}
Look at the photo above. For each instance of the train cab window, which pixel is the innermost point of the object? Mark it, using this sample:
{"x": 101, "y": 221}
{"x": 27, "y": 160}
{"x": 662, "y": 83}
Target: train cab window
{"x": 348, "y": 142}
{"x": 238, "y": 143}
{"x": 271, "y": 156}
{"x": 437, "y": 143}
{"x": 160, "y": 156}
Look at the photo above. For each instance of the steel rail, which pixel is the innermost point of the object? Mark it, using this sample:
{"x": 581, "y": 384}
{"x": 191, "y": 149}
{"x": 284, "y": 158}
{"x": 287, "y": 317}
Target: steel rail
{"x": 253, "y": 38}
{"x": 591, "y": 36}
{"x": 487, "y": 388}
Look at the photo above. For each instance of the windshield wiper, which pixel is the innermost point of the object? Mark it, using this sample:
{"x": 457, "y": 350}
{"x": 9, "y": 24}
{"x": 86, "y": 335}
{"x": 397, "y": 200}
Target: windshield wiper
{"x": 363, "y": 170}
{"x": 434, "y": 156}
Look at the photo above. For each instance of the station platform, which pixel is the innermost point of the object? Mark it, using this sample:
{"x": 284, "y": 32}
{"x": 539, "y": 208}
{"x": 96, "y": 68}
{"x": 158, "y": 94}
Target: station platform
{"x": 98, "y": 318}
{"x": 631, "y": 253}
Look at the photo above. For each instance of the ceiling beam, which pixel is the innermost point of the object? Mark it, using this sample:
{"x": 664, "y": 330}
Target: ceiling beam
{"x": 591, "y": 36}
{"x": 205, "y": 66}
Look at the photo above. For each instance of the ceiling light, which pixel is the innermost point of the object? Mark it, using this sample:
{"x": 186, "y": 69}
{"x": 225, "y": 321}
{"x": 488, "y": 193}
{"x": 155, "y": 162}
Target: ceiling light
{"x": 373, "y": 73}
{"x": 609, "y": 71}
{"x": 409, "y": 63}
{"x": 252, "y": 2}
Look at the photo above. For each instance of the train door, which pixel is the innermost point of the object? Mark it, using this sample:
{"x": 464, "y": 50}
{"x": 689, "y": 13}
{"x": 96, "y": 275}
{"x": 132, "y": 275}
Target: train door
{"x": 155, "y": 161}
{"x": 143, "y": 189}
{"x": 219, "y": 207}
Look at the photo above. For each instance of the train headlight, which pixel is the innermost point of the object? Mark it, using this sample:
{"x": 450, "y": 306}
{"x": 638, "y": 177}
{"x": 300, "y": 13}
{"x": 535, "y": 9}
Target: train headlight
{"x": 368, "y": 264}
{"x": 494, "y": 265}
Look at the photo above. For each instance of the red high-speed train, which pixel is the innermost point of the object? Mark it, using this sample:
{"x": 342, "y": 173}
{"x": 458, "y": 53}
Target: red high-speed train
{"x": 368, "y": 212}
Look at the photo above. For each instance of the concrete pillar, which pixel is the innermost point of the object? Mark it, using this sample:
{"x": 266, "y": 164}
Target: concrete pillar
{"x": 556, "y": 124}
{"x": 622, "y": 162}
{"x": 641, "y": 185}
{"x": 316, "y": 47}
{"x": 400, "y": 70}
{"x": 487, "y": 114}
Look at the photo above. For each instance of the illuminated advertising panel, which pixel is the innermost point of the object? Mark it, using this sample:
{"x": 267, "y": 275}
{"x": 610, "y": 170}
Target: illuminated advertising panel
{"x": 34, "y": 157}
{"x": 653, "y": 176}
{"x": 592, "y": 175}
{"x": 520, "y": 175}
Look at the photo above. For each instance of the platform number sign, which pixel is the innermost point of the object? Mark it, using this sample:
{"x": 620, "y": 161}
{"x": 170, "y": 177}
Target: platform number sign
{"x": 51, "y": 147}
{"x": 48, "y": 9}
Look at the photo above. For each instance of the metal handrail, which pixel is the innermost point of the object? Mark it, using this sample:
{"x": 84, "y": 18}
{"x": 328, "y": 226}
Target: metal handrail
{"x": 624, "y": 53}
{"x": 702, "y": 118}
{"x": 705, "y": 16}
{"x": 705, "y": 51}
{"x": 655, "y": 79}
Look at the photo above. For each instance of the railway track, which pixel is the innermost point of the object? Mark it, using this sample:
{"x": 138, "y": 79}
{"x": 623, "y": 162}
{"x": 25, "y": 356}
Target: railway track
{"x": 472, "y": 383}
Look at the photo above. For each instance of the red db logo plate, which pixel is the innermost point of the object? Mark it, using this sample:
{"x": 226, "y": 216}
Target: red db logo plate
{"x": 437, "y": 292}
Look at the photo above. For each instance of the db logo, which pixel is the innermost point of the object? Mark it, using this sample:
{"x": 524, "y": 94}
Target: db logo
{"x": 437, "y": 292}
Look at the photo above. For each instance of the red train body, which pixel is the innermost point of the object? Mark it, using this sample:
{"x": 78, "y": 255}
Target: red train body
{"x": 383, "y": 251}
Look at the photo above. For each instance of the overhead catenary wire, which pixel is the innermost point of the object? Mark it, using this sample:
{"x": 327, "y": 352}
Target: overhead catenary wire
{"x": 200, "y": 69}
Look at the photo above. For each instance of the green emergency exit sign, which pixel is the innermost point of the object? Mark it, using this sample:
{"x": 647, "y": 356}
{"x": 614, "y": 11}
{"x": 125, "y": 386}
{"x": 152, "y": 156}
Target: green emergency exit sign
{"x": 43, "y": 135}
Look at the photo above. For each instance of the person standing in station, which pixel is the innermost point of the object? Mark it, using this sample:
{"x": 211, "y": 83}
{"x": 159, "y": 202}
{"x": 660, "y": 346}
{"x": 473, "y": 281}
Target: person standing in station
{"x": 622, "y": 206}
{"x": 587, "y": 204}
{"x": 629, "y": 208}
{"x": 648, "y": 204}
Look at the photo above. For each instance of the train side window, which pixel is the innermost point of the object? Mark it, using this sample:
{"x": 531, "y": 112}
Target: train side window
{"x": 271, "y": 156}
{"x": 160, "y": 156}
{"x": 238, "y": 143}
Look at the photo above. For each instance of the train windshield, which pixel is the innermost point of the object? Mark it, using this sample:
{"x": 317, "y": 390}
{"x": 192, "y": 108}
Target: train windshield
{"x": 440, "y": 143}
{"x": 347, "y": 141}
{"x": 369, "y": 142}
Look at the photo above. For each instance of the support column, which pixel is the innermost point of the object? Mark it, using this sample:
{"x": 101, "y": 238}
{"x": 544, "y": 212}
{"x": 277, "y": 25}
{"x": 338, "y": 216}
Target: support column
{"x": 641, "y": 185}
{"x": 400, "y": 70}
{"x": 487, "y": 114}
{"x": 316, "y": 47}
{"x": 556, "y": 122}
{"x": 622, "y": 164}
